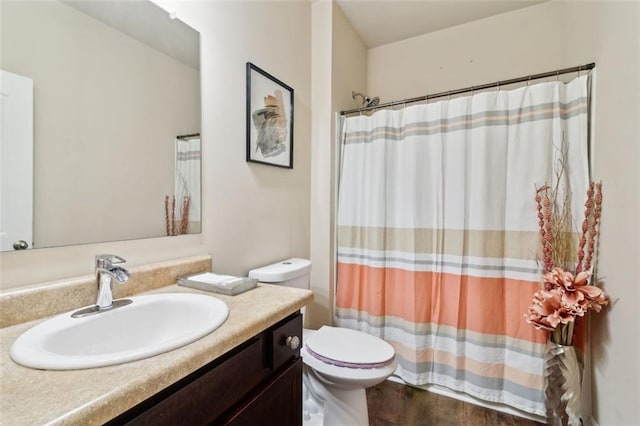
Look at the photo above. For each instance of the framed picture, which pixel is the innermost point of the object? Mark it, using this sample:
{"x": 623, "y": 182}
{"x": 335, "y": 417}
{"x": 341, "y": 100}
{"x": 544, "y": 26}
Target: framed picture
{"x": 269, "y": 119}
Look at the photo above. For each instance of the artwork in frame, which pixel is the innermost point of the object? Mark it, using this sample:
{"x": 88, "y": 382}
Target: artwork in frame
{"x": 269, "y": 119}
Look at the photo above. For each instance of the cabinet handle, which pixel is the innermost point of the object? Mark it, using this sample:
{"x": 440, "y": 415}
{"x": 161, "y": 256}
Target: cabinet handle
{"x": 293, "y": 342}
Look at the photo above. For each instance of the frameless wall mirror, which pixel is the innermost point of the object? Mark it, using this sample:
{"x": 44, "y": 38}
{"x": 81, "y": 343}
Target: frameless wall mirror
{"x": 100, "y": 111}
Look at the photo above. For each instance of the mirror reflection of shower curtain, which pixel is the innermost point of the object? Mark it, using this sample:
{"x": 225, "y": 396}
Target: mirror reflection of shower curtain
{"x": 437, "y": 232}
{"x": 187, "y": 180}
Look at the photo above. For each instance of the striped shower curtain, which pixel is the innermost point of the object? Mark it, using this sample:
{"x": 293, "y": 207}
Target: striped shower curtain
{"x": 187, "y": 179}
{"x": 437, "y": 232}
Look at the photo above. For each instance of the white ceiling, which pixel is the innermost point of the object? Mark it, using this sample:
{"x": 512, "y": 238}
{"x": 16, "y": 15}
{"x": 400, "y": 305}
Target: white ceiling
{"x": 385, "y": 21}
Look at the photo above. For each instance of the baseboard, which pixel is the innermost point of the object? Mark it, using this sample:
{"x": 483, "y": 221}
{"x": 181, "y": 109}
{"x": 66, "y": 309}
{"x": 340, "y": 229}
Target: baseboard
{"x": 441, "y": 390}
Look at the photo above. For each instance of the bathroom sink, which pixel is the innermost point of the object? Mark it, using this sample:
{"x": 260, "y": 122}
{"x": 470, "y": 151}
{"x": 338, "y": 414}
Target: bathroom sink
{"x": 150, "y": 325}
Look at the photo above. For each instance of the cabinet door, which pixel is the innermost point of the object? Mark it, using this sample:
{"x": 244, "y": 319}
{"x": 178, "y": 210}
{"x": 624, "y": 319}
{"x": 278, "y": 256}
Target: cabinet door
{"x": 199, "y": 400}
{"x": 277, "y": 404}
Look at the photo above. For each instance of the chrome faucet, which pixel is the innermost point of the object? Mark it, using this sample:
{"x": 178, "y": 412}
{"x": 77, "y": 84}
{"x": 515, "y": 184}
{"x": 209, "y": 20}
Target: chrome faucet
{"x": 106, "y": 272}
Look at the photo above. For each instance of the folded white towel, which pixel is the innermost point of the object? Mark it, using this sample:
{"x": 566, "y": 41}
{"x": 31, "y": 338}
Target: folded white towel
{"x": 211, "y": 278}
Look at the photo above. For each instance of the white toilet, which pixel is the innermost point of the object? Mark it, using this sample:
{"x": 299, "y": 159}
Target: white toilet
{"x": 339, "y": 363}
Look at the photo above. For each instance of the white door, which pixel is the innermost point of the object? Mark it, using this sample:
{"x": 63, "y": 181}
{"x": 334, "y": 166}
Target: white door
{"x": 16, "y": 161}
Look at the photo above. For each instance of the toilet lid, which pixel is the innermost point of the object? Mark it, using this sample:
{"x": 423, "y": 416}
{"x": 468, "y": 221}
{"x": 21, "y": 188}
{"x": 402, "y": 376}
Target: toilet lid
{"x": 349, "y": 348}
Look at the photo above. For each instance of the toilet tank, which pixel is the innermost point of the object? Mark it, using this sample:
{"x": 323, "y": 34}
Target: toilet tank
{"x": 291, "y": 273}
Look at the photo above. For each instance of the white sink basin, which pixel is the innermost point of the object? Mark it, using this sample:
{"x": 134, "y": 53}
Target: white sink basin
{"x": 149, "y": 326}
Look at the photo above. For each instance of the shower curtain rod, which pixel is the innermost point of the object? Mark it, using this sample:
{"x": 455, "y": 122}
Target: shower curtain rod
{"x": 473, "y": 88}
{"x": 187, "y": 137}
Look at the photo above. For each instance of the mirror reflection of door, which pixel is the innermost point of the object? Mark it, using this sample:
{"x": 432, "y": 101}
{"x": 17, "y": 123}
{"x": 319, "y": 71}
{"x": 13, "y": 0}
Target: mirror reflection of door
{"x": 16, "y": 161}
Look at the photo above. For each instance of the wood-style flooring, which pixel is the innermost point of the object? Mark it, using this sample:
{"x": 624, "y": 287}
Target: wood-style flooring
{"x": 393, "y": 404}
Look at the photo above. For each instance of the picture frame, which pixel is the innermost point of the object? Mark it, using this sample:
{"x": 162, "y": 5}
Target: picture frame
{"x": 269, "y": 119}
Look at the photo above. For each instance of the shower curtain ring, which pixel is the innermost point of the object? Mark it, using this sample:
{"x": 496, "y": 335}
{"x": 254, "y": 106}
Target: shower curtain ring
{"x": 528, "y": 80}
{"x": 558, "y": 75}
{"x": 579, "y": 69}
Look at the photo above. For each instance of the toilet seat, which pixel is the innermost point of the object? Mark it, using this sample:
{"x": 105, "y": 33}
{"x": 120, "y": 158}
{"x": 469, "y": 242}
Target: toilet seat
{"x": 348, "y": 376}
{"x": 348, "y": 348}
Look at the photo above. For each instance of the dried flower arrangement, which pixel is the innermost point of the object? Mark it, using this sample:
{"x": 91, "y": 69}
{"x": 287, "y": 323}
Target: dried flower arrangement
{"x": 565, "y": 295}
{"x": 170, "y": 215}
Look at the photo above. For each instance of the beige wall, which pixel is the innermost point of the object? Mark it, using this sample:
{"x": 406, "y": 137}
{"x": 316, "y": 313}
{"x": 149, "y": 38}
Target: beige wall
{"x": 339, "y": 62}
{"x": 252, "y": 214}
{"x": 105, "y": 105}
{"x": 541, "y": 38}
{"x": 349, "y": 63}
{"x": 319, "y": 312}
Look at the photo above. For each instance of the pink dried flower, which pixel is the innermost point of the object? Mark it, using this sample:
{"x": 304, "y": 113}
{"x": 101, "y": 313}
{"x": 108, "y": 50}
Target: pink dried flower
{"x": 594, "y": 225}
{"x": 173, "y": 215}
{"x": 564, "y": 298}
{"x": 166, "y": 214}
{"x": 585, "y": 228}
{"x": 184, "y": 218}
{"x": 548, "y": 236}
{"x": 542, "y": 223}
{"x": 598, "y": 302}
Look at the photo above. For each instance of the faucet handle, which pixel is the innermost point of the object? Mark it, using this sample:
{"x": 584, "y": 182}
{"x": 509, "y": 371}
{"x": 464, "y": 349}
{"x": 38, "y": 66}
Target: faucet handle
{"x": 106, "y": 260}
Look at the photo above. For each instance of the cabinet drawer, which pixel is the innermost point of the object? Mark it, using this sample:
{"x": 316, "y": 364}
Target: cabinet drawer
{"x": 283, "y": 350}
{"x": 203, "y": 396}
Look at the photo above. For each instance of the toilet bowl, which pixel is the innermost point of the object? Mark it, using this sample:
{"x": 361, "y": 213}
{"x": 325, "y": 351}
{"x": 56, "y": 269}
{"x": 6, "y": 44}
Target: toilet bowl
{"x": 339, "y": 363}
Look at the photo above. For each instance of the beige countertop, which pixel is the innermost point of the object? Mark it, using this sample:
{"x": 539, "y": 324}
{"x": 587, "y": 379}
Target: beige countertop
{"x": 93, "y": 396}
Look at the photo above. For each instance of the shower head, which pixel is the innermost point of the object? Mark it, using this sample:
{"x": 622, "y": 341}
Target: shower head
{"x": 367, "y": 101}
{"x": 372, "y": 102}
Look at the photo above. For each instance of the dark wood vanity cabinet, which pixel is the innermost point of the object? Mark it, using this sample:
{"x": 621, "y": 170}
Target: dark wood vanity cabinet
{"x": 257, "y": 383}
{"x": 278, "y": 403}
